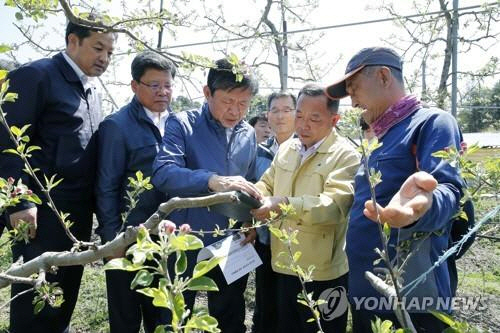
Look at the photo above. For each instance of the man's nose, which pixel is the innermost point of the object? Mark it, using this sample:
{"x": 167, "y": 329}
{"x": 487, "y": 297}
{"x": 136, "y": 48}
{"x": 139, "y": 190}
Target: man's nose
{"x": 103, "y": 57}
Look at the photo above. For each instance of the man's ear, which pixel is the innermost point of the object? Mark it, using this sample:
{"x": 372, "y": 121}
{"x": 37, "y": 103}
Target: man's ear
{"x": 134, "y": 85}
{"x": 385, "y": 76}
{"x": 206, "y": 92}
{"x": 73, "y": 41}
{"x": 335, "y": 119}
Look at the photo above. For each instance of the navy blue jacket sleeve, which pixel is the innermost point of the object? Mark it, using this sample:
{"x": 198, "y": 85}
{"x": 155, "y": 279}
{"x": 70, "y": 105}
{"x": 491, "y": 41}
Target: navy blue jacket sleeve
{"x": 111, "y": 171}
{"x": 170, "y": 174}
{"x": 438, "y": 132}
{"x": 31, "y": 86}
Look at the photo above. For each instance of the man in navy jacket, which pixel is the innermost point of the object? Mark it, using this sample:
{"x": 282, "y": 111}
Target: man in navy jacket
{"x": 58, "y": 97}
{"x": 212, "y": 150}
{"x": 128, "y": 142}
{"x": 417, "y": 206}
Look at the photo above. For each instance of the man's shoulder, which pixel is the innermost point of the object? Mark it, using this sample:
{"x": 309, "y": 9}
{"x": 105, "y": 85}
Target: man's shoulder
{"x": 290, "y": 145}
{"x": 120, "y": 116}
{"x": 428, "y": 112}
{"x": 35, "y": 68}
{"x": 188, "y": 117}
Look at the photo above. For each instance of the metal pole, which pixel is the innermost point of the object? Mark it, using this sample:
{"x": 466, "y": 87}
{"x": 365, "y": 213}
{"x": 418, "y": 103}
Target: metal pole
{"x": 160, "y": 31}
{"x": 285, "y": 50}
{"x": 454, "y": 59}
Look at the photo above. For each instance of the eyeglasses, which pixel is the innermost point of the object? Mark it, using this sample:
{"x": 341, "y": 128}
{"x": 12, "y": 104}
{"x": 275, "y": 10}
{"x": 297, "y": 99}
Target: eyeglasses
{"x": 285, "y": 110}
{"x": 155, "y": 87}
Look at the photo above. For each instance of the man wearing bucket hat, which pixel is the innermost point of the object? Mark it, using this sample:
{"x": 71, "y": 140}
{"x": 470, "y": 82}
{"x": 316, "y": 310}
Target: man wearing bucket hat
{"x": 417, "y": 197}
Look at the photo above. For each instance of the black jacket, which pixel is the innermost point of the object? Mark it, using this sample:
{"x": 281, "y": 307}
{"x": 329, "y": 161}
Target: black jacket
{"x": 63, "y": 121}
{"x": 128, "y": 142}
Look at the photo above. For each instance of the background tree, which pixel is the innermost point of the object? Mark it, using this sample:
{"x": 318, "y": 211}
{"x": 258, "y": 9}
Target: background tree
{"x": 266, "y": 42}
{"x": 429, "y": 38}
{"x": 481, "y": 109}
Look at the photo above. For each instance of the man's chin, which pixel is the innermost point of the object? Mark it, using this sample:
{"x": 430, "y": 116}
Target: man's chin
{"x": 97, "y": 71}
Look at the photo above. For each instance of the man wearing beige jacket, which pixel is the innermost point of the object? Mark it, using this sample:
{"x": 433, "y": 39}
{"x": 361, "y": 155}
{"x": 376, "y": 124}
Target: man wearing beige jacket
{"x": 314, "y": 173}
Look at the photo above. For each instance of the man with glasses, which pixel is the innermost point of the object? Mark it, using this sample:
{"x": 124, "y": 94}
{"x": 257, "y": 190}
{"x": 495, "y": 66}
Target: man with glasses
{"x": 128, "y": 142}
{"x": 281, "y": 117}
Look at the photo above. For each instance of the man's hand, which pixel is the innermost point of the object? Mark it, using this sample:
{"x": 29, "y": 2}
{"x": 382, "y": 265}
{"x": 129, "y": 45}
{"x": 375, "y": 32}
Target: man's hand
{"x": 28, "y": 216}
{"x": 233, "y": 183}
{"x": 269, "y": 204}
{"x": 411, "y": 202}
{"x": 250, "y": 235}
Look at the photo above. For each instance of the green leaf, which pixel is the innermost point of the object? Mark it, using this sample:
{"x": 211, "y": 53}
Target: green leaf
{"x": 15, "y": 130}
{"x": 204, "y": 323}
{"x": 296, "y": 256}
{"x": 185, "y": 242}
{"x": 3, "y": 72}
{"x": 11, "y": 151}
{"x": 445, "y": 318}
{"x": 32, "y": 148}
{"x": 34, "y": 198}
{"x": 139, "y": 175}
{"x": 180, "y": 263}
{"x": 4, "y": 48}
{"x": 19, "y": 16}
{"x": 178, "y": 307}
{"x": 387, "y": 230}
{"x": 143, "y": 278}
{"x": 441, "y": 154}
{"x": 205, "y": 266}
{"x": 202, "y": 283}
{"x": 39, "y": 307}
{"x": 160, "y": 329}
{"x": 10, "y": 97}
{"x": 159, "y": 297}
{"x": 122, "y": 264}
{"x": 276, "y": 232}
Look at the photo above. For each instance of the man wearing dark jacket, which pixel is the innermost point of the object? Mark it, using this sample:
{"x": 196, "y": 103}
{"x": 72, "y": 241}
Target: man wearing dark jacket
{"x": 212, "y": 150}
{"x": 128, "y": 142}
{"x": 58, "y": 97}
{"x": 416, "y": 205}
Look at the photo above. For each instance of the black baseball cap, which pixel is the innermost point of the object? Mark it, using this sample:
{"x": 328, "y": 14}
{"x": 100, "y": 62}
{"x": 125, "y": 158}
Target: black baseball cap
{"x": 370, "y": 56}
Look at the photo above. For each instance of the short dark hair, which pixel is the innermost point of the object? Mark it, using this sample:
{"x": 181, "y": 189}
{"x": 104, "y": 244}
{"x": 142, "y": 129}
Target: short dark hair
{"x": 280, "y": 94}
{"x": 314, "y": 90}
{"x": 222, "y": 77}
{"x": 255, "y": 119}
{"x": 149, "y": 59}
{"x": 82, "y": 31}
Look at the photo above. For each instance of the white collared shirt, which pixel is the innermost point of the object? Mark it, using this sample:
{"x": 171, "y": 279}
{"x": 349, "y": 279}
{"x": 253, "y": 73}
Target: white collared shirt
{"x": 305, "y": 153}
{"x": 87, "y": 81}
{"x": 275, "y": 146}
{"x": 158, "y": 118}
{"x": 229, "y": 132}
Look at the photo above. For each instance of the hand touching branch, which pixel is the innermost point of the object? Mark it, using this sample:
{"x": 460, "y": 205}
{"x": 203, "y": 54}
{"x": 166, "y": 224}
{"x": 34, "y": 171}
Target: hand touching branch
{"x": 233, "y": 183}
{"x": 269, "y": 204}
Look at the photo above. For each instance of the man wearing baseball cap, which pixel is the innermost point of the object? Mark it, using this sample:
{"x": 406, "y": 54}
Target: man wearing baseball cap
{"x": 417, "y": 197}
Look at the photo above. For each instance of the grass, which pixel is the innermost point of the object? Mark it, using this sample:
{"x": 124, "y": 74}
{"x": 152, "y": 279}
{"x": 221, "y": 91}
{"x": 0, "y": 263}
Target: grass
{"x": 483, "y": 153}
